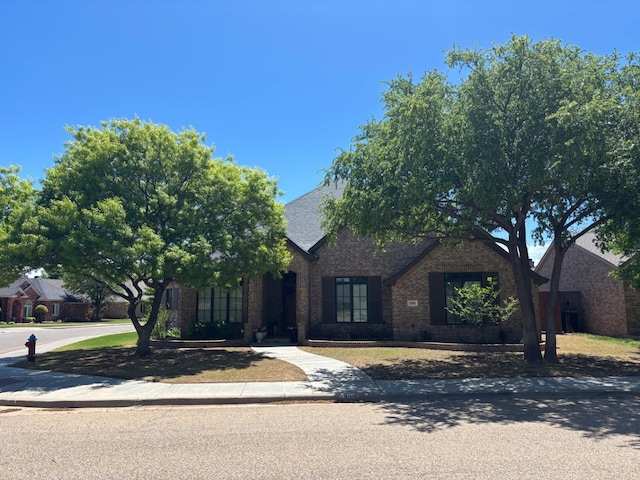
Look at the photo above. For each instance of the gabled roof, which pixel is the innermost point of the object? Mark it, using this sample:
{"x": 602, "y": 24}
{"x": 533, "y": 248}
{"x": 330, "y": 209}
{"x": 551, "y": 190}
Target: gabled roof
{"x": 48, "y": 289}
{"x": 304, "y": 215}
{"x": 434, "y": 242}
{"x": 587, "y": 243}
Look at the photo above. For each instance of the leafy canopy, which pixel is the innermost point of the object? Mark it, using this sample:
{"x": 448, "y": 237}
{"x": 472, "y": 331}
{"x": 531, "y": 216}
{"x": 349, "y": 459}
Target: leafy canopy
{"x": 16, "y": 203}
{"x": 134, "y": 205}
{"x": 532, "y": 132}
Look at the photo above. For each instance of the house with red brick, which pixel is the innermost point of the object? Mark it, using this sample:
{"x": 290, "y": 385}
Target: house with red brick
{"x": 592, "y": 300}
{"x": 350, "y": 289}
{"x": 20, "y": 298}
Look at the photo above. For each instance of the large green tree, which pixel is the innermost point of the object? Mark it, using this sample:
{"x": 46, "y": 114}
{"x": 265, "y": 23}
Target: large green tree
{"x": 135, "y": 206}
{"x": 524, "y": 137}
{"x": 16, "y": 203}
{"x": 621, "y": 233}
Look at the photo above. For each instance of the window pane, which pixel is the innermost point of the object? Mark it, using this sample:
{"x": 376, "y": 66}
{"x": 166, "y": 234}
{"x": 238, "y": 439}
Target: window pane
{"x": 204, "y": 305}
{"x": 360, "y": 303}
{"x": 219, "y": 305}
{"x": 351, "y": 299}
{"x": 343, "y": 300}
{"x": 235, "y": 305}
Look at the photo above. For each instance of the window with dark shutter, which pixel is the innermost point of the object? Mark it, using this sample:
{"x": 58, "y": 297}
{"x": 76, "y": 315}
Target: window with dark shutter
{"x": 328, "y": 300}
{"x": 352, "y": 300}
{"x": 374, "y": 305}
{"x": 437, "y": 299}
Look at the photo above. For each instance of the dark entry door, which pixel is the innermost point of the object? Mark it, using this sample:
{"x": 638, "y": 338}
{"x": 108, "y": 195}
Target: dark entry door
{"x": 289, "y": 300}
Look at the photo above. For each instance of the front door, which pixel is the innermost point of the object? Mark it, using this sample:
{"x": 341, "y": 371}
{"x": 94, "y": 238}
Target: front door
{"x": 289, "y": 300}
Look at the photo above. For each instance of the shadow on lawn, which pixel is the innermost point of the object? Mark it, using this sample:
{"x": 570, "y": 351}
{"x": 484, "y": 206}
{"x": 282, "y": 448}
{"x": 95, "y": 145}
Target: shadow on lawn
{"x": 596, "y": 416}
{"x": 163, "y": 363}
{"x": 499, "y": 365}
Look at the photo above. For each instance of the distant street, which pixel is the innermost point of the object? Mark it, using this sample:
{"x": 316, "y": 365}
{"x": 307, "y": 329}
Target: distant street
{"x": 500, "y": 438}
{"x": 13, "y": 339}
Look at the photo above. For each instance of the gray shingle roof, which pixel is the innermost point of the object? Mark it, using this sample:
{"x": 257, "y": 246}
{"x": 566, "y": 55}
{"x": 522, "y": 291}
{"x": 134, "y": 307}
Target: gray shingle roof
{"x": 49, "y": 289}
{"x": 588, "y": 242}
{"x": 304, "y": 215}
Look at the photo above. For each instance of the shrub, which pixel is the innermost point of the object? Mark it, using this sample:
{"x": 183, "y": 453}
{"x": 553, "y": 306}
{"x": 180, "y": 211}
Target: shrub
{"x": 41, "y": 309}
{"x": 478, "y": 305}
{"x": 161, "y": 328}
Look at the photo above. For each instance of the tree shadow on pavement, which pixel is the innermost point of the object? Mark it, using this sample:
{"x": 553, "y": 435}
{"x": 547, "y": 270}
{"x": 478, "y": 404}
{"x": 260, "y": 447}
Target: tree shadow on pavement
{"x": 595, "y": 415}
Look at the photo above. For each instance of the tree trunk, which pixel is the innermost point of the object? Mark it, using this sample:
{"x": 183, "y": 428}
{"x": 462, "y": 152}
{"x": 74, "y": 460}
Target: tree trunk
{"x": 143, "y": 347}
{"x": 523, "y": 279}
{"x": 550, "y": 349}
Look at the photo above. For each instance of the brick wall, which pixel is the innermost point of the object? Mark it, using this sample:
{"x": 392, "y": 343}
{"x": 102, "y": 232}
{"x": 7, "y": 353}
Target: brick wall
{"x": 356, "y": 257}
{"x": 413, "y": 323}
{"x": 632, "y": 303}
{"x": 602, "y": 296}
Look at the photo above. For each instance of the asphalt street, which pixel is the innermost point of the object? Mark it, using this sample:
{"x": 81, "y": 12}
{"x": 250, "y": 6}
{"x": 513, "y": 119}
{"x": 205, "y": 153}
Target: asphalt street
{"x": 597, "y": 437}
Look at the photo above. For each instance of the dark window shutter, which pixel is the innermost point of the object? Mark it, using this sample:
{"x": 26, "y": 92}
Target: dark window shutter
{"x": 437, "y": 298}
{"x": 374, "y": 299}
{"x": 328, "y": 300}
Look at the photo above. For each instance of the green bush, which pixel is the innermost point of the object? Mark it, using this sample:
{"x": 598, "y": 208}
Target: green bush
{"x": 41, "y": 309}
{"x": 478, "y": 305}
{"x": 161, "y": 328}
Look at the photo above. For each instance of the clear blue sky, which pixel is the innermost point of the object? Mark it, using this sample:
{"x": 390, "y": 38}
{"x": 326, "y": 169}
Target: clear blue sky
{"x": 278, "y": 84}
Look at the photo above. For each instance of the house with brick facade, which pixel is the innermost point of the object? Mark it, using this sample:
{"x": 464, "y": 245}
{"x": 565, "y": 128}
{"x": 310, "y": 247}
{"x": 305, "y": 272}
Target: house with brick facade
{"x": 20, "y": 298}
{"x": 350, "y": 289}
{"x": 592, "y": 300}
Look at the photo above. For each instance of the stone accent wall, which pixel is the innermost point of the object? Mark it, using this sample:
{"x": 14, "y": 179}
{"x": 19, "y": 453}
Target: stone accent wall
{"x": 602, "y": 296}
{"x": 413, "y": 323}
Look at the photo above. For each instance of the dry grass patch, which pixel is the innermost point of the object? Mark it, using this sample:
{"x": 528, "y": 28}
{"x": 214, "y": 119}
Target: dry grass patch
{"x": 580, "y": 355}
{"x": 211, "y": 365}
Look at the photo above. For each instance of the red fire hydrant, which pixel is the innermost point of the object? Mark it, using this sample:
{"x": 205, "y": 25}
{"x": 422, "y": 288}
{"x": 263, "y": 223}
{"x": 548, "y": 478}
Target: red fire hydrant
{"x": 31, "y": 345}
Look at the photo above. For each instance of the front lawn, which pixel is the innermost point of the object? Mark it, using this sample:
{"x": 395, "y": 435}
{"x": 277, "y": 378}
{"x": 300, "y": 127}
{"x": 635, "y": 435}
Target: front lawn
{"x": 579, "y": 355}
{"x": 112, "y": 356}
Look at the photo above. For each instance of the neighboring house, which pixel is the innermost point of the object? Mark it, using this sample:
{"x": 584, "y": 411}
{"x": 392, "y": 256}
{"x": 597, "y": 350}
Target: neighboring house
{"x": 348, "y": 289}
{"x": 21, "y": 297}
{"x": 591, "y": 299}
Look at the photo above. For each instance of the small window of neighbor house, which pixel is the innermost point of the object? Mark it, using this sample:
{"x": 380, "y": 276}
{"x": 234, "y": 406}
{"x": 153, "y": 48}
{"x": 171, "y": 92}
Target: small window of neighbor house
{"x": 56, "y": 310}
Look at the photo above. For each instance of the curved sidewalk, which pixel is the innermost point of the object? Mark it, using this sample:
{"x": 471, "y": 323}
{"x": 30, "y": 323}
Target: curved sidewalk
{"x": 328, "y": 379}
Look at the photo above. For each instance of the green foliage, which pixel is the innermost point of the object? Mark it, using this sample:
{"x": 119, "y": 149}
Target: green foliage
{"x": 135, "y": 206}
{"x": 98, "y": 292}
{"x": 479, "y": 305}
{"x": 531, "y": 132}
{"x": 41, "y": 309}
{"x": 16, "y": 197}
{"x": 212, "y": 330}
{"x": 161, "y": 328}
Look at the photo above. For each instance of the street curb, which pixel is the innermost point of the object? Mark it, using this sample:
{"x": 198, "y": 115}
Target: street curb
{"x": 120, "y": 403}
{"x": 310, "y": 398}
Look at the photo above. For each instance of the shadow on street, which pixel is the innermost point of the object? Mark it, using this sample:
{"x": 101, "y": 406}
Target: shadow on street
{"x": 595, "y": 415}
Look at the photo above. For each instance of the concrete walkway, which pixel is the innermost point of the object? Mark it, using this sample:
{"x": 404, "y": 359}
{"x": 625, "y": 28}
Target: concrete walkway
{"x": 328, "y": 380}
